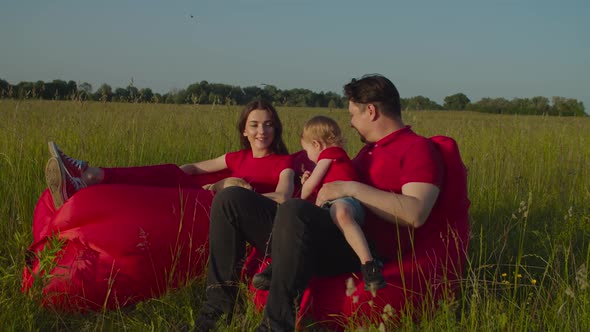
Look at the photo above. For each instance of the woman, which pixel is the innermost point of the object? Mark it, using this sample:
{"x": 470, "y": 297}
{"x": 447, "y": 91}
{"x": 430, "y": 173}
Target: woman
{"x": 144, "y": 229}
{"x": 263, "y": 164}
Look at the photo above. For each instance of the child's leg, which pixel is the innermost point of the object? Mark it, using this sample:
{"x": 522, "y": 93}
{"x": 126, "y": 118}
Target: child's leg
{"x": 342, "y": 215}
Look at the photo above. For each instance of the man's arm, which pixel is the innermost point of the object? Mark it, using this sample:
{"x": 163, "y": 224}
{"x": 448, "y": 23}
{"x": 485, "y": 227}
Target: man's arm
{"x": 411, "y": 208}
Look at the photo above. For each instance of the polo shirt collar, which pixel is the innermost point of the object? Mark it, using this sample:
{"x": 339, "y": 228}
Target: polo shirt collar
{"x": 393, "y": 136}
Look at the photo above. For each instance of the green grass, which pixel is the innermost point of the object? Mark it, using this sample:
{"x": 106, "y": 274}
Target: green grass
{"x": 529, "y": 183}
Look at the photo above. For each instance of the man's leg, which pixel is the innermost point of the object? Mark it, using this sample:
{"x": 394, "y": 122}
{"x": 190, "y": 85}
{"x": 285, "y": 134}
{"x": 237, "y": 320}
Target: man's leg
{"x": 238, "y": 216}
{"x": 305, "y": 242}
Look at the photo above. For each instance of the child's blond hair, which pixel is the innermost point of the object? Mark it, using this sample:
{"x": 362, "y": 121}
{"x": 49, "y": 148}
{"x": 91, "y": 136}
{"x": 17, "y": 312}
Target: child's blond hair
{"x": 323, "y": 129}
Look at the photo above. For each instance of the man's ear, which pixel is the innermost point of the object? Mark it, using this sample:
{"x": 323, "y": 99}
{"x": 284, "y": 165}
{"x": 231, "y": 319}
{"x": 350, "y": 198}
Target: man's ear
{"x": 373, "y": 113}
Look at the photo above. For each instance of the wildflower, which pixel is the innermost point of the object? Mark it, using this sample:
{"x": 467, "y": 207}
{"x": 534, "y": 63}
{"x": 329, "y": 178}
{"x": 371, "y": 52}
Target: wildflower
{"x": 534, "y": 281}
{"x": 519, "y": 275}
{"x": 388, "y": 309}
{"x": 350, "y": 287}
{"x": 504, "y": 275}
{"x": 582, "y": 277}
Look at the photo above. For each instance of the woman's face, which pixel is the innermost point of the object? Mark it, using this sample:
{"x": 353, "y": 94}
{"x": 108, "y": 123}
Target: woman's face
{"x": 260, "y": 131}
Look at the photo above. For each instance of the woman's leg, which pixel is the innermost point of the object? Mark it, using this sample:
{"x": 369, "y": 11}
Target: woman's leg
{"x": 238, "y": 216}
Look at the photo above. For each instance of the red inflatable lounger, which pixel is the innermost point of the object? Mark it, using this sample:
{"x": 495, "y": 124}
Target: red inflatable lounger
{"x": 415, "y": 282}
{"x": 122, "y": 244}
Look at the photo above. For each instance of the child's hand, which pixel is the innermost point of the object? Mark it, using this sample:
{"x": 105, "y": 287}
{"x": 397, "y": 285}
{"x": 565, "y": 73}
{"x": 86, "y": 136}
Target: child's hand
{"x": 305, "y": 176}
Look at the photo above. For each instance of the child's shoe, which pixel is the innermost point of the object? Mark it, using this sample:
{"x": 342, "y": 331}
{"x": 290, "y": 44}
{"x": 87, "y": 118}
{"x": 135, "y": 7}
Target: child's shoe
{"x": 373, "y": 275}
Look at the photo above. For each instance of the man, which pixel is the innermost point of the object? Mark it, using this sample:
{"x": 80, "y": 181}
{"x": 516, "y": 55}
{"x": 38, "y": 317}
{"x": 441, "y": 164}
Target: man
{"x": 401, "y": 176}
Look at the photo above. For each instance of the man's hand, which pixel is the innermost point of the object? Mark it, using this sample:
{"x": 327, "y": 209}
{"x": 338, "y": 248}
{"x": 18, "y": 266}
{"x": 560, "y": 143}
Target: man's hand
{"x": 333, "y": 190}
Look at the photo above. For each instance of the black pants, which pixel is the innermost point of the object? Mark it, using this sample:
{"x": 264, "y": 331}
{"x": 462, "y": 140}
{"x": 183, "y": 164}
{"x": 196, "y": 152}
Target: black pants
{"x": 305, "y": 241}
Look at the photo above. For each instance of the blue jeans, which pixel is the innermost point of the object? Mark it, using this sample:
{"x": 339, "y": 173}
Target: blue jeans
{"x": 358, "y": 212}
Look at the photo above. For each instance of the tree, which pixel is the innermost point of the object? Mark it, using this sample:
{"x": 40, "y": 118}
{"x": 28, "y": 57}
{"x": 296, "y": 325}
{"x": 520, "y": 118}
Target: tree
{"x": 146, "y": 95}
{"x": 567, "y": 106}
{"x": 85, "y": 87}
{"x": 419, "y": 103}
{"x": 71, "y": 90}
{"x": 121, "y": 95}
{"x": 104, "y": 93}
{"x": 5, "y": 88}
{"x": 458, "y": 101}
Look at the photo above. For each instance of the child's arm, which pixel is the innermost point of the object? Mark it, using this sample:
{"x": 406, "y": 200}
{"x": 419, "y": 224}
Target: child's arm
{"x": 205, "y": 166}
{"x": 315, "y": 178}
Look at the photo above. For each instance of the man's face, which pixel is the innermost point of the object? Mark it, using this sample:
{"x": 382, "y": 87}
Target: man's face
{"x": 358, "y": 119}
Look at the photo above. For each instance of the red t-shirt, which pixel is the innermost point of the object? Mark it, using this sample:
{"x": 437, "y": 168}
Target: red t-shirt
{"x": 262, "y": 173}
{"x": 341, "y": 169}
{"x": 399, "y": 158}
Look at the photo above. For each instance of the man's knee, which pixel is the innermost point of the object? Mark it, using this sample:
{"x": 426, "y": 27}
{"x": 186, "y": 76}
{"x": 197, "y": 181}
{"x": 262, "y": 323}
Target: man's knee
{"x": 291, "y": 218}
{"x": 290, "y": 208}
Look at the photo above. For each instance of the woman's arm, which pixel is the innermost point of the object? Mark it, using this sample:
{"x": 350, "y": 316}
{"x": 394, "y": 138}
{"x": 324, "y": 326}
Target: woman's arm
{"x": 315, "y": 178}
{"x": 205, "y": 166}
{"x": 285, "y": 187}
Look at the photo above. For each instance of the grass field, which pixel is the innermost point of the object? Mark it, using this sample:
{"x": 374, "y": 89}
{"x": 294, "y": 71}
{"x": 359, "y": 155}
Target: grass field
{"x": 529, "y": 184}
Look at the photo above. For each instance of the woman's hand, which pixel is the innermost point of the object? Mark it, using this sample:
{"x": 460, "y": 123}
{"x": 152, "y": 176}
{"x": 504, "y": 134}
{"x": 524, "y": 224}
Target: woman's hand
{"x": 188, "y": 169}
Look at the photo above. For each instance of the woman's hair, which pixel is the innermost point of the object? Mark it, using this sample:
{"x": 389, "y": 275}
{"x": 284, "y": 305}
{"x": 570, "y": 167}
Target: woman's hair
{"x": 323, "y": 129}
{"x": 375, "y": 89}
{"x": 277, "y": 146}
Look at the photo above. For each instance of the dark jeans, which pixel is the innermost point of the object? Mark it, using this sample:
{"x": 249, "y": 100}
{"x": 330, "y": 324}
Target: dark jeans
{"x": 305, "y": 241}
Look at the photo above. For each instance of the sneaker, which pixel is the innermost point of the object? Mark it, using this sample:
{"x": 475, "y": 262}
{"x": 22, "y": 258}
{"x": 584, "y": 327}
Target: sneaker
{"x": 206, "y": 322}
{"x": 60, "y": 183}
{"x": 261, "y": 281}
{"x": 373, "y": 275}
{"x": 73, "y": 166}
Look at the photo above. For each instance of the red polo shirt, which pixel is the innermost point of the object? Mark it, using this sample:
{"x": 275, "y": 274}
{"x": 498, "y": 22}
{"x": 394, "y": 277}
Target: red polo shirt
{"x": 341, "y": 169}
{"x": 262, "y": 173}
{"x": 399, "y": 158}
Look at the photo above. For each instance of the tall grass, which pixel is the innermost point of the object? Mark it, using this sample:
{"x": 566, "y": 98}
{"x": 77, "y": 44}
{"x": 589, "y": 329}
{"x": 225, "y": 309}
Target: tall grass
{"x": 529, "y": 183}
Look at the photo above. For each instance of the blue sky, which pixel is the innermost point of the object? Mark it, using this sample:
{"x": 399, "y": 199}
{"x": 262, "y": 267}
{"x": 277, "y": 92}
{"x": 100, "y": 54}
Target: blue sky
{"x": 432, "y": 48}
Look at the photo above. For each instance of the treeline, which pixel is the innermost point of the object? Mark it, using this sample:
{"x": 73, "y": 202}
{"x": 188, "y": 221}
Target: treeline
{"x": 216, "y": 93}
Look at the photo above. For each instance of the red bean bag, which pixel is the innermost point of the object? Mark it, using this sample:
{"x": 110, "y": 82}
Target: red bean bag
{"x": 415, "y": 282}
{"x": 123, "y": 243}
{"x": 120, "y": 244}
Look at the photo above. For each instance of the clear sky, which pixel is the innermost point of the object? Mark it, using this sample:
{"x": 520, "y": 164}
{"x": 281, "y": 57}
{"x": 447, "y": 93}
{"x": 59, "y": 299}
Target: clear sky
{"x": 434, "y": 48}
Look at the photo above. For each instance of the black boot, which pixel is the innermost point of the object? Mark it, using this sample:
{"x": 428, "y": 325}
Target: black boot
{"x": 373, "y": 275}
{"x": 261, "y": 281}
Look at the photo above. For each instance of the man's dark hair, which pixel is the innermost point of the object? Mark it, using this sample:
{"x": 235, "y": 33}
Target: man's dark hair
{"x": 375, "y": 89}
